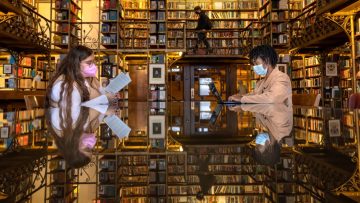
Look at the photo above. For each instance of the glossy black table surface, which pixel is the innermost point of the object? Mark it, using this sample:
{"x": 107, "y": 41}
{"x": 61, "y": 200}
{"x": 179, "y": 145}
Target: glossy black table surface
{"x": 180, "y": 152}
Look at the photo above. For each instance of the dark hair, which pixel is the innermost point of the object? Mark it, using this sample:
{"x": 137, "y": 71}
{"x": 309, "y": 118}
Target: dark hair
{"x": 197, "y": 8}
{"x": 270, "y": 156}
{"x": 266, "y": 53}
{"x": 69, "y": 141}
{"x": 69, "y": 69}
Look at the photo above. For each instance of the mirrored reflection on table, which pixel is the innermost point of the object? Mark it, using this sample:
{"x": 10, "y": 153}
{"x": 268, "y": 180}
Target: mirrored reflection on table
{"x": 179, "y": 152}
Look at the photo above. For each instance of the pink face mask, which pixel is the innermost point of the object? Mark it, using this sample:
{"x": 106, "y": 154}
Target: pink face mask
{"x": 89, "y": 71}
{"x": 88, "y": 140}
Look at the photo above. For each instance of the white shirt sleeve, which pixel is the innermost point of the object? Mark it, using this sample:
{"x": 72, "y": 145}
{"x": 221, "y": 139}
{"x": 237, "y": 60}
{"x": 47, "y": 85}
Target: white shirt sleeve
{"x": 75, "y": 96}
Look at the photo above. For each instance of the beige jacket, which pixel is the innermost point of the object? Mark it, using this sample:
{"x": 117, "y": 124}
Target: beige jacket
{"x": 275, "y": 89}
{"x": 276, "y": 118}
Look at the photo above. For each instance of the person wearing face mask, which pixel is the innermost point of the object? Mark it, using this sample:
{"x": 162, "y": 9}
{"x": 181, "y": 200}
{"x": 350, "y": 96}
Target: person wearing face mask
{"x": 75, "y": 80}
{"x": 274, "y": 87}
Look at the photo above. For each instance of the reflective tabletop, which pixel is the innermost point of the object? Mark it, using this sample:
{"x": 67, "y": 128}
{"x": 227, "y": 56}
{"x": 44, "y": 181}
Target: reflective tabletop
{"x": 180, "y": 152}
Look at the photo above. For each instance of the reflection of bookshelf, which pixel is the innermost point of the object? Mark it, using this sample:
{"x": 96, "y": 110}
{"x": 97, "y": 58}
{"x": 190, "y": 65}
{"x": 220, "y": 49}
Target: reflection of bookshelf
{"x": 306, "y": 74}
{"x": 62, "y": 186}
{"x": 236, "y": 179}
{"x": 133, "y": 177}
{"x": 309, "y": 126}
{"x": 111, "y": 16}
{"x": 108, "y": 186}
{"x": 66, "y": 27}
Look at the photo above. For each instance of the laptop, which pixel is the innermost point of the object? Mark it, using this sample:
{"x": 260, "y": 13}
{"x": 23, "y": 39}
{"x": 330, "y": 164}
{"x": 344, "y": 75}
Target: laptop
{"x": 215, "y": 114}
{"x": 216, "y": 93}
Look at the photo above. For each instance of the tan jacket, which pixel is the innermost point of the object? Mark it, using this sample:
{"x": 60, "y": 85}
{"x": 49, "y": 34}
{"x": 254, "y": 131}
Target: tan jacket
{"x": 275, "y": 89}
{"x": 276, "y": 118}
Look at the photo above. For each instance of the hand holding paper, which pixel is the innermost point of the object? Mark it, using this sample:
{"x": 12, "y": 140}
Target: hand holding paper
{"x": 119, "y": 82}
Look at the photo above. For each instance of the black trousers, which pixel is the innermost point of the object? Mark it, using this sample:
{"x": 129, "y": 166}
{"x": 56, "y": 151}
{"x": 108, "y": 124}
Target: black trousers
{"x": 202, "y": 38}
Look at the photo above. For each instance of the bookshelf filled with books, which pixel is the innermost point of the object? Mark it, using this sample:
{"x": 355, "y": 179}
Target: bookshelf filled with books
{"x": 66, "y": 27}
{"x": 31, "y": 73}
{"x": 227, "y": 18}
{"x": 157, "y": 21}
{"x": 112, "y": 14}
{"x": 136, "y": 24}
{"x": 356, "y": 55}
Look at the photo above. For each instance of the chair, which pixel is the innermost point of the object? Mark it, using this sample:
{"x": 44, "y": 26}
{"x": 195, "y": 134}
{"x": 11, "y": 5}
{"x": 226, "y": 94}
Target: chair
{"x": 306, "y": 99}
{"x": 34, "y": 101}
{"x": 354, "y": 101}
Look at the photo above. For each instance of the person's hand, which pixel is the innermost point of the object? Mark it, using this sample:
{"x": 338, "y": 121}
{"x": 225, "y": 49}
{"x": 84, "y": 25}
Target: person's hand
{"x": 112, "y": 97}
{"x": 112, "y": 109}
{"x": 236, "y": 108}
{"x": 235, "y": 97}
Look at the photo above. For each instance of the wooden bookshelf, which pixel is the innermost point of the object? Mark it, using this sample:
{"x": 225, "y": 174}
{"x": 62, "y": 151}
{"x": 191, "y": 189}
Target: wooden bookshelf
{"x": 112, "y": 14}
{"x": 66, "y": 17}
{"x": 62, "y": 183}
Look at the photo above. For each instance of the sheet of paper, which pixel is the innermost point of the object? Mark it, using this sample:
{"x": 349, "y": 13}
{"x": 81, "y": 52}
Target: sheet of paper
{"x": 120, "y": 128}
{"x": 117, "y": 83}
{"x": 96, "y": 101}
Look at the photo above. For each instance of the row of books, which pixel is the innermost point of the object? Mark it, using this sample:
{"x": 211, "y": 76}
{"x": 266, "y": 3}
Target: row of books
{"x": 313, "y": 82}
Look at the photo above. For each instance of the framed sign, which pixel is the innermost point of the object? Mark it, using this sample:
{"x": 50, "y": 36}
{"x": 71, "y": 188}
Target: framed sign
{"x": 331, "y": 69}
{"x": 157, "y": 126}
{"x": 7, "y": 69}
{"x": 282, "y": 67}
{"x": 4, "y": 132}
{"x": 334, "y": 128}
{"x": 157, "y": 74}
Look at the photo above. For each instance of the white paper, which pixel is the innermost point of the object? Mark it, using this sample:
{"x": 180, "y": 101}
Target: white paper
{"x": 96, "y": 101}
{"x": 118, "y": 127}
{"x": 119, "y": 82}
{"x": 102, "y": 108}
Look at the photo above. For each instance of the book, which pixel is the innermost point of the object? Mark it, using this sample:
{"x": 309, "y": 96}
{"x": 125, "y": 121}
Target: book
{"x": 118, "y": 83}
{"x": 120, "y": 129}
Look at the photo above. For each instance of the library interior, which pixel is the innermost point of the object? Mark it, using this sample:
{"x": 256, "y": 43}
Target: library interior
{"x": 109, "y": 101}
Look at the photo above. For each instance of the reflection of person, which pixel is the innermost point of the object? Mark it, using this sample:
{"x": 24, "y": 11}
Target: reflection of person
{"x": 75, "y": 80}
{"x": 202, "y": 27}
{"x": 276, "y": 120}
{"x": 74, "y": 131}
{"x": 275, "y": 87}
{"x": 241, "y": 88}
{"x": 206, "y": 179}
{"x": 73, "y": 134}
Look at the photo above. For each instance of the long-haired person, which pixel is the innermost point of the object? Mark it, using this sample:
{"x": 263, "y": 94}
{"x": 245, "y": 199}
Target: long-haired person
{"x": 75, "y": 80}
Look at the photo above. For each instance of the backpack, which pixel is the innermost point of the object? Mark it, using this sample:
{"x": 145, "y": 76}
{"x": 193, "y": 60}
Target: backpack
{"x": 208, "y": 23}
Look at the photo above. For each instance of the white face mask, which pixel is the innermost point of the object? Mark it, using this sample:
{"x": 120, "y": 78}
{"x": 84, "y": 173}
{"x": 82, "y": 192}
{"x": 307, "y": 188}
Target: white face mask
{"x": 260, "y": 70}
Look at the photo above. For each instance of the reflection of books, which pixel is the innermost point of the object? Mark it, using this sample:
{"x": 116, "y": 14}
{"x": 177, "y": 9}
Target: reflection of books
{"x": 117, "y": 126}
{"x": 118, "y": 83}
